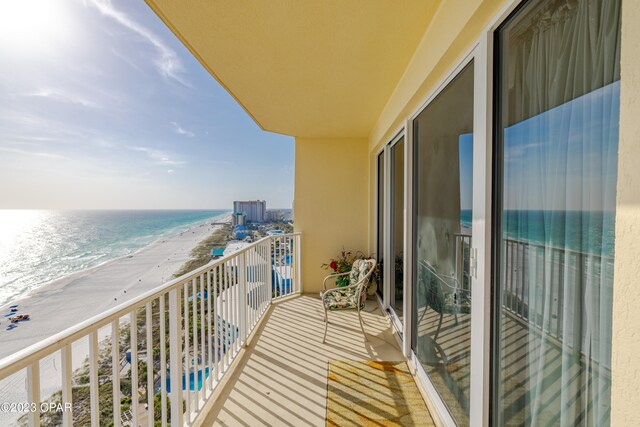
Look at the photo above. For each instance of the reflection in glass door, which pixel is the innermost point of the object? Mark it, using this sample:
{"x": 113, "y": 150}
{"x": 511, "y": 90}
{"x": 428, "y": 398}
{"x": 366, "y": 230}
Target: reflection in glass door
{"x": 441, "y": 294}
{"x": 397, "y": 228}
{"x": 558, "y": 105}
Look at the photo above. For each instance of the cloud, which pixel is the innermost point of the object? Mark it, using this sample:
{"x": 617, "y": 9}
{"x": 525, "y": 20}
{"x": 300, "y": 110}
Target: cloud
{"x": 158, "y": 157}
{"x": 170, "y": 171}
{"x": 103, "y": 143}
{"x": 181, "y": 131}
{"x": 32, "y": 153}
{"x": 167, "y": 63}
{"x": 63, "y": 96}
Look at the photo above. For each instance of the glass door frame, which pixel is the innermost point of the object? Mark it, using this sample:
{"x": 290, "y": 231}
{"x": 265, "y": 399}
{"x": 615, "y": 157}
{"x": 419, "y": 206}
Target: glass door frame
{"x": 494, "y": 183}
{"x": 481, "y": 243}
{"x": 387, "y": 255}
{"x": 379, "y": 208}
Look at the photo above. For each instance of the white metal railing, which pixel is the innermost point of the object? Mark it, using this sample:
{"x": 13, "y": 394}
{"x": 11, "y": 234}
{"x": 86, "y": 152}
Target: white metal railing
{"x": 540, "y": 281}
{"x": 183, "y": 336}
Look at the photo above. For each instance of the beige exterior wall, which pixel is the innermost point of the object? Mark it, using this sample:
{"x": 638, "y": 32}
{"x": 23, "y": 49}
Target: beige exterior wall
{"x": 330, "y": 202}
{"x": 454, "y": 30}
{"x": 625, "y": 393}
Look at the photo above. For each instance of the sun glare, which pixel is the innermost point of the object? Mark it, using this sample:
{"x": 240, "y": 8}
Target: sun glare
{"x": 33, "y": 26}
{"x": 15, "y": 222}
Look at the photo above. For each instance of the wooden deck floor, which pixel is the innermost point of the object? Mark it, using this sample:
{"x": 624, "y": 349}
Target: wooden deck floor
{"x": 282, "y": 379}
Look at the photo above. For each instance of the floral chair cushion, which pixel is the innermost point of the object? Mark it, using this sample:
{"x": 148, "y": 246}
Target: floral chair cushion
{"x": 358, "y": 271}
{"x": 341, "y": 299}
{"x": 457, "y": 302}
{"x": 444, "y": 299}
{"x": 346, "y": 298}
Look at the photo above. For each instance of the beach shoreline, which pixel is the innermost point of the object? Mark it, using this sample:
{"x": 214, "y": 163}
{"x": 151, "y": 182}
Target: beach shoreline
{"x": 64, "y": 302}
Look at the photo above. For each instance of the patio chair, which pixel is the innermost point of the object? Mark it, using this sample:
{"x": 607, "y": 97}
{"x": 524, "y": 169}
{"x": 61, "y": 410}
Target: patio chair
{"x": 351, "y": 297}
{"x": 444, "y": 294}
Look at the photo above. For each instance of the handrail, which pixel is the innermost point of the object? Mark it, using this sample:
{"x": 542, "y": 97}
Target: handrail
{"x": 56, "y": 342}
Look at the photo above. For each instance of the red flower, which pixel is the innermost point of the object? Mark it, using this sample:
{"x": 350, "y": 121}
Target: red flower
{"x": 334, "y": 266}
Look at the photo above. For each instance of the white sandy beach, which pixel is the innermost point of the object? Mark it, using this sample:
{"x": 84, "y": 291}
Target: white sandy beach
{"x": 69, "y": 300}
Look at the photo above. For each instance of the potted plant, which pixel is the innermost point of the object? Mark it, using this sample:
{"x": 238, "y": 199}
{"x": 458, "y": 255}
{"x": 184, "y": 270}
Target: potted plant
{"x": 343, "y": 264}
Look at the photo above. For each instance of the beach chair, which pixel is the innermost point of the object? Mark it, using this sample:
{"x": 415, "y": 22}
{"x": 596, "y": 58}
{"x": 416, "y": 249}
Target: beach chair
{"x": 351, "y": 297}
{"x": 443, "y": 294}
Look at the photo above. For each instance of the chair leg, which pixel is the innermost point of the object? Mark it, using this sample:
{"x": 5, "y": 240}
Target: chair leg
{"x": 422, "y": 315}
{"x": 326, "y": 323}
{"x": 435, "y": 338}
{"x": 362, "y": 319}
{"x": 362, "y": 327}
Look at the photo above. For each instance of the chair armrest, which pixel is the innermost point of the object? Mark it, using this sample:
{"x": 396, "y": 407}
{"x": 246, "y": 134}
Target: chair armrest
{"x": 332, "y": 276}
{"x": 448, "y": 289}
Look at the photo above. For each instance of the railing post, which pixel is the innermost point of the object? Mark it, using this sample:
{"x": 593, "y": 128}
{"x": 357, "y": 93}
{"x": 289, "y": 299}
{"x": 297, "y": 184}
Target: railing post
{"x": 163, "y": 362}
{"x": 175, "y": 357}
{"x": 270, "y": 270}
{"x": 133, "y": 324}
{"x": 33, "y": 392}
{"x": 115, "y": 370}
{"x": 150, "y": 376}
{"x": 242, "y": 297}
{"x": 67, "y": 414}
{"x": 93, "y": 378}
{"x": 298, "y": 240}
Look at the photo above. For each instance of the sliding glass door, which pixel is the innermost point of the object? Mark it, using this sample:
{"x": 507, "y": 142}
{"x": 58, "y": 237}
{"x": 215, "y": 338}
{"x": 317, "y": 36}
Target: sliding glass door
{"x": 391, "y": 208}
{"x": 396, "y": 278}
{"x": 557, "y": 112}
{"x": 380, "y": 223}
{"x": 441, "y": 286}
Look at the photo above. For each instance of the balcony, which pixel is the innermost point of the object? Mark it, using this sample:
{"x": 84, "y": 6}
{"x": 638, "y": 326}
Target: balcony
{"x": 282, "y": 378}
{"x": 237, "y": 337}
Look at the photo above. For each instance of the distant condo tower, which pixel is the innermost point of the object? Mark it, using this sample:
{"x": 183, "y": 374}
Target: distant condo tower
{"x": 254, "y": 210}
{"x": 238, "y": 218}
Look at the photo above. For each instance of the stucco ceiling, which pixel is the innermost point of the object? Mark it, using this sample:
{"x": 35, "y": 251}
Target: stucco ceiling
{"x": 321, "y": 68}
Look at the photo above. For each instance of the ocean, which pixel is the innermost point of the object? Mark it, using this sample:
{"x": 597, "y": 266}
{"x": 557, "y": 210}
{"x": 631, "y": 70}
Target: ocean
{"x": 588, "y": 232}
{"x": 38, "y": 246}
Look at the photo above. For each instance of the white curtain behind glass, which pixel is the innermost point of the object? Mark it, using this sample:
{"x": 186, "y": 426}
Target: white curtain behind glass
{"x": 560, "y": 171}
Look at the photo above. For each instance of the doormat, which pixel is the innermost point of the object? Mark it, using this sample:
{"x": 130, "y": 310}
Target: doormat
{"x": 374, "y": 394}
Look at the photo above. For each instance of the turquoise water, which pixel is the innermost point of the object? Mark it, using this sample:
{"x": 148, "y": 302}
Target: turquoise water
{"x": 38, "y": 246}
{"x": 466, "y": 218}
{"x": 589, "y": 232}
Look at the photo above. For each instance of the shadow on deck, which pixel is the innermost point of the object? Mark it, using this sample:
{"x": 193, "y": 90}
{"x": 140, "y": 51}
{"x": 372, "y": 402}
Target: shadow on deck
{"x": 282, "y": 378}
{"x": 532, "y": 364}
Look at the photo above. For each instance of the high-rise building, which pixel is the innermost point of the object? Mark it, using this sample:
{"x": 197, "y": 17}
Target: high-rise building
{"x": 254, "y": 210}
{"x": 238, "y": 218}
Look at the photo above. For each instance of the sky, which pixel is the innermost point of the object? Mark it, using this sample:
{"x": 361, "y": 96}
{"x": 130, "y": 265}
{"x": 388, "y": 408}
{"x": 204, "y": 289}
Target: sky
{"x": 465, "y": 153}
{"x": 101, "y": 107}
{"x": 565, "y": 158}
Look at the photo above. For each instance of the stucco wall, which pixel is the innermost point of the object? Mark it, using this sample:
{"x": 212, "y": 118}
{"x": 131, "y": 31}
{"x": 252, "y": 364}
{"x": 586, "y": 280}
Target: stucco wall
{"x": 330, "y": 202}
{"x": 625, "y": 393}
{"x": 454, "y": 30}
